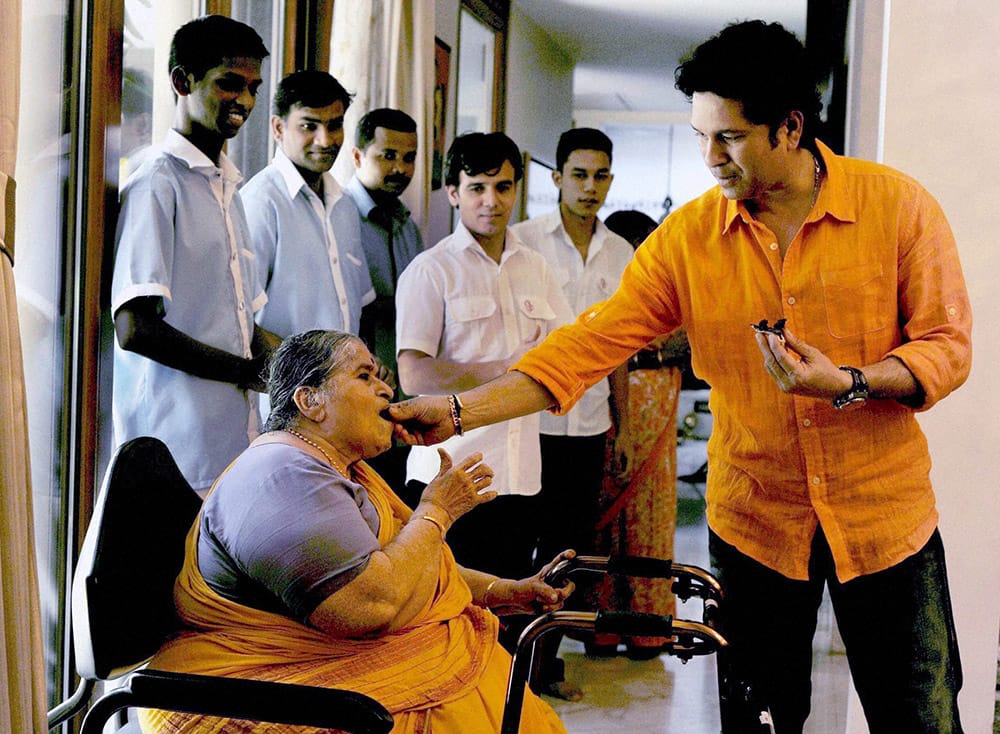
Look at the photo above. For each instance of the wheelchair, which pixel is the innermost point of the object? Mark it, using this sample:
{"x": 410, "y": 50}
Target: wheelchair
{"x": 123, "y": 610}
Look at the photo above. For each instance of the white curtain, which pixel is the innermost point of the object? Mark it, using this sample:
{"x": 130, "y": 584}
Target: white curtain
{"x": 383, "y": 52}
{"x": 22, "y": 668}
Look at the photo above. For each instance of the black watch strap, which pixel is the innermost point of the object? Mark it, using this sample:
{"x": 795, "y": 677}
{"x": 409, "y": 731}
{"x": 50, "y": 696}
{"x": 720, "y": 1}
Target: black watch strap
{"x": 857, "y": 395}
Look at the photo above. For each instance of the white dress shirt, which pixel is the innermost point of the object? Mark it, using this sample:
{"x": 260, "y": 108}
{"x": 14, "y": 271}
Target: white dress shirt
{"x": 584, "y": 283}
{"x": 309, "y": 255}
{"x": 455, "y": 303}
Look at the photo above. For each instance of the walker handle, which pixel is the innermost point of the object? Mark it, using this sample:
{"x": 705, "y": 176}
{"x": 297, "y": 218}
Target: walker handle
{"x": 636, "y": 624}
{"x": 640, "y": 567}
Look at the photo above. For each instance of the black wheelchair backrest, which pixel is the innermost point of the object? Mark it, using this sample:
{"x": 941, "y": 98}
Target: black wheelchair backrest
{"x": 123, "y": 607}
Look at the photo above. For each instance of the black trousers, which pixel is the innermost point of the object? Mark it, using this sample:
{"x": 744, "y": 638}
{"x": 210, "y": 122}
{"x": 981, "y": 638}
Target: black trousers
{"x": 897, "y": 627}
{"x": 572, "y": 476}
{"x": 498, "y": 537}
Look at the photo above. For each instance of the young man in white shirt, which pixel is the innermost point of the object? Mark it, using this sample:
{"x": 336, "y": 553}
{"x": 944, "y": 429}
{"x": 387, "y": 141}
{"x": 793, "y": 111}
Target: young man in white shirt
{"x": 588, "y": 260}
{"x": 467, "y": 309}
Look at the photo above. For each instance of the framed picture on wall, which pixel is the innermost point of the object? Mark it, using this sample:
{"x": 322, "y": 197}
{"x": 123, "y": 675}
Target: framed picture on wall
{"x": 442, "y": 68}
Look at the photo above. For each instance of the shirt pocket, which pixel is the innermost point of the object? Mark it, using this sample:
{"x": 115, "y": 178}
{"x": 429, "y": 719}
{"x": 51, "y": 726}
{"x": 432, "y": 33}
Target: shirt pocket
{"x": 469, "y": 331}
{"x": 536, "y": 307}
{"x": 465, "y": 309}
{"x": 605, "y": 286}
{"x": 858, "y": 300}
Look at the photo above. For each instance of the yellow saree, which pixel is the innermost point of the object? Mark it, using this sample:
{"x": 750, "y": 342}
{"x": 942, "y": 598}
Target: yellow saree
{"x": 445, "y": 673}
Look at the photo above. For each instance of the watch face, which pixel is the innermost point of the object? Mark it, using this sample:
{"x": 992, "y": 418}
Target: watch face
{"x": 850, "y": 401}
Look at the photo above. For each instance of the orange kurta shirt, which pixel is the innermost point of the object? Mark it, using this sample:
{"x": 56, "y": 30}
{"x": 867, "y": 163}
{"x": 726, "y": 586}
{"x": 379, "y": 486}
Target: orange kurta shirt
{"x": 873, "y": 272}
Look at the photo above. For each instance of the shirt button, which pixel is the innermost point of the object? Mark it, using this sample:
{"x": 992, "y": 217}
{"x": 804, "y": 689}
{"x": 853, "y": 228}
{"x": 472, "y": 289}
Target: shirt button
{"x": 773, "y": 245}
{"x": 334, "y": 261}
{"x": 791, "y": 300}
{"x": 807, "y": 422}
{"x": 243, "y": 305}
{"x": 952, "y": 310}
{"x": 816, "y": 480}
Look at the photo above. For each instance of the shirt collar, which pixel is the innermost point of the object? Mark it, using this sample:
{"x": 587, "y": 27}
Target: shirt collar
{"x": 295, "y": 183}
{"x": 833, "y": 198}
{"x": 366, "y": 203}
{"x": 180, "y": 147}
{"x": 552, "y": 223}
{"x": 463, "y": 240}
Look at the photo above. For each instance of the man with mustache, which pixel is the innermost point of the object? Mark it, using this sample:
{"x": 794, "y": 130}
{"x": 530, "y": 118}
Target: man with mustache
{"x": 818, "y": 471}
{"x": 184, "y": 291}
{"x": 306, "y": 232}
{"x": 385, "y": 155}
{"x": 588, "y": 260}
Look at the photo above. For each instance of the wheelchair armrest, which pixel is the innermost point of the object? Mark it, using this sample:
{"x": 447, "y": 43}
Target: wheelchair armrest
{"x": 282, "y": 703}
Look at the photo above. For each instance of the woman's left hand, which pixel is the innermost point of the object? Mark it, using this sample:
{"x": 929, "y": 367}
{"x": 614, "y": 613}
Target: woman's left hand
{"x": 530, "y": 595}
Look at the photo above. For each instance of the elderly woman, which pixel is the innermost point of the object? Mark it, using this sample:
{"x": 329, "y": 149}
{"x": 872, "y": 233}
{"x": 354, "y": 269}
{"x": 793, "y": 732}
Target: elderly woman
{"x": 304, "y": 567}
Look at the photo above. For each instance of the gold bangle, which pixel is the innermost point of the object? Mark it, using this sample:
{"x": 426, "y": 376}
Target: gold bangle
{"x": 434, "y": 520}
{"x": 489, "y": 588}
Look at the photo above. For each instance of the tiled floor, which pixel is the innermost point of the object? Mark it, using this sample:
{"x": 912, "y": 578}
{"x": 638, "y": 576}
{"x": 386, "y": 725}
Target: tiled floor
{"x": 663, "y": 695}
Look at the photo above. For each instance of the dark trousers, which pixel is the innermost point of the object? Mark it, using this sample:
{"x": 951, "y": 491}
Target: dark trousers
{"x": 391, "y": 466}
{"x": 572, "y": 475}
{"x": 497, "y": 537}
{"x": 897, "y": 626}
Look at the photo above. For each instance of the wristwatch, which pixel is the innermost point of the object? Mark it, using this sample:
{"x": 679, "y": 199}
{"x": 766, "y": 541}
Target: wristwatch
{"x": 857, "y": 395}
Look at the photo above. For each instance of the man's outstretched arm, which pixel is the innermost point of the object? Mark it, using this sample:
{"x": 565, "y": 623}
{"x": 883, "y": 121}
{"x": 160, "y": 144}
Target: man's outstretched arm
{"x": 428, "y": 420}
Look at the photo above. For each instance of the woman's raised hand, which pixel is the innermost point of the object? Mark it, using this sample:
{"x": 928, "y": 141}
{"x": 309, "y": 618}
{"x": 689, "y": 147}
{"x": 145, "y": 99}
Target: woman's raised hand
{"x": 458, "y": 488}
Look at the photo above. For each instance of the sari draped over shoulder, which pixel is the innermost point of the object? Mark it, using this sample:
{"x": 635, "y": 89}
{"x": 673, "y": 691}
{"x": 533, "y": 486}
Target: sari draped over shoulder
{"x": 441, "y": 673}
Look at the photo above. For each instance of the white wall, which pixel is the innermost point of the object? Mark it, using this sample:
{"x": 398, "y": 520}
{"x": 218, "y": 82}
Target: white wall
{"x": 939, "y": 110}
{"x": 651, "y": 162}
{"x": 539, "y": 88}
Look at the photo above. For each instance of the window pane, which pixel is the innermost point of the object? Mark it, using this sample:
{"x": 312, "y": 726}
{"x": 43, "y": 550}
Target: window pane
{"x": 138, "y": 75}
{"x": 251, "y": 149}
{"x": 43, "y": 158}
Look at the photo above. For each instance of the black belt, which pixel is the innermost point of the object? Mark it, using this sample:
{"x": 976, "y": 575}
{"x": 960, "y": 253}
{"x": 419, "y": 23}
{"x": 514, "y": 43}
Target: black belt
{"x": 649, "y": 359}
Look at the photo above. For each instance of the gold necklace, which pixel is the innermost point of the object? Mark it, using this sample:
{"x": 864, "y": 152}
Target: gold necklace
{"x": 335, "y": 464}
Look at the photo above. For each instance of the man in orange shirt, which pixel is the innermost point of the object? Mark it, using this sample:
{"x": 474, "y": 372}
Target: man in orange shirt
{"x": 818, "y": 471}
